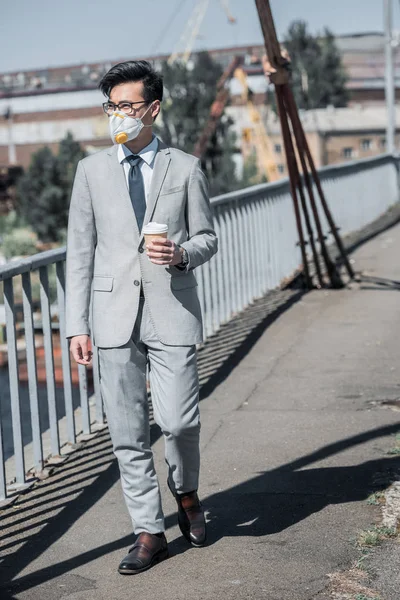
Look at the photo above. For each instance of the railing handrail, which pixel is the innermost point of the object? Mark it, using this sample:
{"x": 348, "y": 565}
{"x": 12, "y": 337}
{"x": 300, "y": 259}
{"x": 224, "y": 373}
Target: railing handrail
{"x": 282, "y": 185}
{"x": 362, "y": 164}
{"x": 31, "y": 263}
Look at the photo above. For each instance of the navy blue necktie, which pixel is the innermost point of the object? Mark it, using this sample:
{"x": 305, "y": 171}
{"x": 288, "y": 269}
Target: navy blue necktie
{"x": 136, "y": 189}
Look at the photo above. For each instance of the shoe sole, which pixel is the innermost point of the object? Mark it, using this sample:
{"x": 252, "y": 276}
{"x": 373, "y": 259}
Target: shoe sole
{"x": 157, "y": 559}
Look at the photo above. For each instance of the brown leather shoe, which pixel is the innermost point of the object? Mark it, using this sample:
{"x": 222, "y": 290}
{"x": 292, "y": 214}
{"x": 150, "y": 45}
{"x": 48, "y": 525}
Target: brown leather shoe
{"x": 191, "y": 519}
{"x": 147, "y": 551}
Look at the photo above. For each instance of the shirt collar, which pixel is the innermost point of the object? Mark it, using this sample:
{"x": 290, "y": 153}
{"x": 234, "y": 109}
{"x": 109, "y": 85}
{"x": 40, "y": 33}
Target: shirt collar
{"x": 147, "y": 153}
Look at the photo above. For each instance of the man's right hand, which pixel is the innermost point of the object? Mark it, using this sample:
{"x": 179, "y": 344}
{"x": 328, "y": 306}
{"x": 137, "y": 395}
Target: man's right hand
{"x": 80, "y": 349}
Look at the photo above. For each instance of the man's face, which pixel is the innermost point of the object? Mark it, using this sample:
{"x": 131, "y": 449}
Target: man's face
{"x": 133, "y": 92}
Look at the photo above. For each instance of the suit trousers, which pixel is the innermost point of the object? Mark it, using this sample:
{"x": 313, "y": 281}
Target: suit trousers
{"x": 175, "y": 399}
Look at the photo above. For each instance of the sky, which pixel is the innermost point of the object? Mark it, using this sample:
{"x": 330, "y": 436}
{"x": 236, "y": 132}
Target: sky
{"x": 46, "y": 33}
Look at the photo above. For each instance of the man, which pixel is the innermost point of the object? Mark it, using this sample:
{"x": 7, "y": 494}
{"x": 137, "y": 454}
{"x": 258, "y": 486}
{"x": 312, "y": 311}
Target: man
{"x": 144, "y": 308}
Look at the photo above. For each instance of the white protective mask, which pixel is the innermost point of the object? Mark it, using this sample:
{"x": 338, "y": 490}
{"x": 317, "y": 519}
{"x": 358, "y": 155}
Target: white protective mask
{"x": 124, "y": 128}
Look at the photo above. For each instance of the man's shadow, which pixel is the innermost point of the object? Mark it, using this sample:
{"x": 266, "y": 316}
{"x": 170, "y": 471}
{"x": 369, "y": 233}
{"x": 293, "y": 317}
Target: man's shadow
{"x": 276, "y": 500}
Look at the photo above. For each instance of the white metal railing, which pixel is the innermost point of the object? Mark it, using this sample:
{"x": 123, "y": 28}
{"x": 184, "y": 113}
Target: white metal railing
{"x": 258, "y": 249}
{"x": 22, "y": 423}
{"x": 258, "y": 236}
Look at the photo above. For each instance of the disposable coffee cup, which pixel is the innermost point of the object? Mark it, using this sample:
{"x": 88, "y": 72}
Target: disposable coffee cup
{"x": 155, "y": 231}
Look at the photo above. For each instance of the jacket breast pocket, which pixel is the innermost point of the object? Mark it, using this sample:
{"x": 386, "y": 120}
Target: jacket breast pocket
{"x": 173, "y": 190}
{"x": 103, "y": 283}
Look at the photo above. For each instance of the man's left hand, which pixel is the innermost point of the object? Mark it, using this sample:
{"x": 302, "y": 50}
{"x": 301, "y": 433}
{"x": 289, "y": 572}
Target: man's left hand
{"x": 164, "y": 252}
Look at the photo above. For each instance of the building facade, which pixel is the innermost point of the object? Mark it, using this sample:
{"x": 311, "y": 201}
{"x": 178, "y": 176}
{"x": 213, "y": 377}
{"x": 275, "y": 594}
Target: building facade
{"x": 334, "y": 135}
{"x": 40, "y": 107}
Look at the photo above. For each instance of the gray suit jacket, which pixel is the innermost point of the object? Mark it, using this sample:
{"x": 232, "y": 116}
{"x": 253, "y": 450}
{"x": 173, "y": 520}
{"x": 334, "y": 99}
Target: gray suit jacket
{"x": 106, "y": 260}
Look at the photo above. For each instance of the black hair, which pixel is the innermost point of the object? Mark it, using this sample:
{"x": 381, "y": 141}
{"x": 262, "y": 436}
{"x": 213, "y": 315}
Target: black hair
{"x": 134, "y": 70}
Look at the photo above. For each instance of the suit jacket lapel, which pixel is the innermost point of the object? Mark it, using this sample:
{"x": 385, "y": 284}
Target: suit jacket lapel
{"x": 121, "y": 189}
{"x": 161, "y": 164}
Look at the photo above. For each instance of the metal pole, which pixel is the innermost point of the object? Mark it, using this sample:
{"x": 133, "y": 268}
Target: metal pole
{"x": 302, "y": 146}
{"x": 389, "y": 76}
{"x": 12, "y": 152}
{"x": 293, "y": 180}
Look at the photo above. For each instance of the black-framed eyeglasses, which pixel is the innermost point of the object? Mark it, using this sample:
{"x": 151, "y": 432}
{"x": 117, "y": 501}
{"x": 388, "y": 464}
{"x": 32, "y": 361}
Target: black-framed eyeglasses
{"x": 128, "y": 108}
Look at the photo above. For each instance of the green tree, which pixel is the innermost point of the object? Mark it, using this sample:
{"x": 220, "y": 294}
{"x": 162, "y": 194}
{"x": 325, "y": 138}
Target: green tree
{"x": 318, "y": 76}
{"x": 44, "y": 191}
{"x": 39, "y": 194}
{"x": 189, "y": 94}
{"x": 69, "y": 154}
{"x": 333, "y": 75}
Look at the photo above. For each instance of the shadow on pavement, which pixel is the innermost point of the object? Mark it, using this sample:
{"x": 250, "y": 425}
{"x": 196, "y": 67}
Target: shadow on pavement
{"x": 235, "y": 339}
{"x": 370, "y": 282}
{"x": 277, "y": 499}
{"x": 263, "y": 505}
{"x": 270, "y": 502}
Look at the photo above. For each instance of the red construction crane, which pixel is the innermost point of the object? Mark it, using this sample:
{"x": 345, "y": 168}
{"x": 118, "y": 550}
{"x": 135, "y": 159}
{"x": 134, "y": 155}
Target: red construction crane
{"x": 217, "y": 107}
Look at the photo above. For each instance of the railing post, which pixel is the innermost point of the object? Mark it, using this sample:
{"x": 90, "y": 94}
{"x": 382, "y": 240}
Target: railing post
{"x": 225, "y": 271}
{"x": 257, "y": 248}
{"x": 83, "y": 393}
{"x": 66, "y": 363}
{"x": 237, "y": 253}
{"x": 14, "y": 382}
{"x": 228, "y": 245}
{"x": 219, "y": 281}
{"x": 200, "y": 284}
{"x": 97, "y": 388}
{"x": 208, "y": 299}
{"x": 49, "y": 360}
{"x": 3, "y": 489}
{"x": 32, "y": 371}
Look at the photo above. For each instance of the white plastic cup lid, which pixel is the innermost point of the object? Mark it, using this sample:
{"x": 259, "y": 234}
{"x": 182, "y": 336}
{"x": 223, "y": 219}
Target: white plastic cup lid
{"x": 154, "y": 228}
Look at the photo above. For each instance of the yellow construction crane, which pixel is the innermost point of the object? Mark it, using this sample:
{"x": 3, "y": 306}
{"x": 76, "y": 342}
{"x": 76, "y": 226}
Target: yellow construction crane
{"x": 258, "y": 135}
{"x": 191, "y": 31}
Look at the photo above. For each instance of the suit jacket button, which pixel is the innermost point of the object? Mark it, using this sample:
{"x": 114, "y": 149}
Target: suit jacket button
{"x": 141, "y": 250}
{"x": 136, "y": 282}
